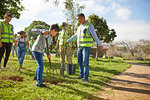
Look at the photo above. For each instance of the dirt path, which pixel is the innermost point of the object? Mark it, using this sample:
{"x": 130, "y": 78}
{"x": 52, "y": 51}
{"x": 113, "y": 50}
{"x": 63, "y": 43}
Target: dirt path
{"x": 133, "y": 84}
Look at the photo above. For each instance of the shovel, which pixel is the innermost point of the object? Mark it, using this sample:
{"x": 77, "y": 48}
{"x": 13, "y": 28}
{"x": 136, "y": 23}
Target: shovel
{"x": 50, "y": 71}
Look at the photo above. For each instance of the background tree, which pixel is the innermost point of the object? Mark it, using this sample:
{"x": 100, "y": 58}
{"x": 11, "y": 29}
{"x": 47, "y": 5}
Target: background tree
{"x": 13, "y": 5}
{"x": 105, "y": 34}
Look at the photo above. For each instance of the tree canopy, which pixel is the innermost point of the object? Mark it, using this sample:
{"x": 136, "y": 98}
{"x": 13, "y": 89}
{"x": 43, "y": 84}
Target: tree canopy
{"x": 12, "y": 5}
{"x": 105, "y": 34}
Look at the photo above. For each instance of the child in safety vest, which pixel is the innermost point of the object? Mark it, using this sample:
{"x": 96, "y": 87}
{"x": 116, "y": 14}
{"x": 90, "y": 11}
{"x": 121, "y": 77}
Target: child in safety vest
{"x": 21, "y": 49}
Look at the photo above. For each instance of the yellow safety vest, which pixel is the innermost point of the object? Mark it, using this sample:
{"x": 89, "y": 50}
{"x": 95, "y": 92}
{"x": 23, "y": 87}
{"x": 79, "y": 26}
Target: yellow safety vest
{"x": 83, "y": 38}
{"x": 6, "y": 33}
{"x": 63, "y": 37}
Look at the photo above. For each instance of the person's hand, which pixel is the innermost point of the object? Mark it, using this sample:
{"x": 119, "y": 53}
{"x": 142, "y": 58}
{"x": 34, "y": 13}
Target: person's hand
{"x": 66, "y": 42}
{"x": 49, "y": 56}
{"x": 100, "y": 48}
{"x": 0, "y": 44}
{"x": 45, "y": 33}
{"x": 56, "y": 48}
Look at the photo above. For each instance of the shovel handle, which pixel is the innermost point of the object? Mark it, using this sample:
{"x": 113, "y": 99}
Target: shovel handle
{"x": 50, "y": 65}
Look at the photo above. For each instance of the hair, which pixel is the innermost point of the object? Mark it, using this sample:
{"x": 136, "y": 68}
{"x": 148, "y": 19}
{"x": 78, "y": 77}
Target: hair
{"x": 55, "y": 27}
{"x": 64, "y": 24}
{"x": 8, "y": 13}
{"x": 21, "y": 32}
{"x": 80, "y": 15}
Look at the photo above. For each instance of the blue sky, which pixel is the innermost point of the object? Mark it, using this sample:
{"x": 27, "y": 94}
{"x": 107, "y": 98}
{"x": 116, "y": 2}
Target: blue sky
{"x": 130, "y": 18}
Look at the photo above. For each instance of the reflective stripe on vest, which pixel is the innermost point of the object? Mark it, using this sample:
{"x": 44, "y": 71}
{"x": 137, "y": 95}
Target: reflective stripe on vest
{"x": 6, "y": 33}
{"x": 63, "y": 37}
{"x": 84, "y": 39}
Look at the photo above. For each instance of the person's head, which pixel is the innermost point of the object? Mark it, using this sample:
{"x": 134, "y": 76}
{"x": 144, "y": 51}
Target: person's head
{"x": 64, "y": 25}
{"x": 32, "y": 38}
{"x": 22, "y": 34}
{"x": 54, "y": 29}
{"x": 81, "y": 18}
{"x": 15, "y": 35}
{"x": 8, "y": 16}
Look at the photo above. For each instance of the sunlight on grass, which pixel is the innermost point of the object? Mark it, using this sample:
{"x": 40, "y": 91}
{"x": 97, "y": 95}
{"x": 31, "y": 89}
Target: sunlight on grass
{"x": 63, "y": 88}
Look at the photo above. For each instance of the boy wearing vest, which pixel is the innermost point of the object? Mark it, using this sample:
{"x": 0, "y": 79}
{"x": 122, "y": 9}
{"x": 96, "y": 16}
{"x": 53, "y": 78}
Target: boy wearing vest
{"x": 63, "y": 36}
{"x": 31, "y": 42}
{"x": 85, "y": 34}
{"x": 21, "y": 49}
{"x": 6, "y": 38}
{"x": 37, "y": 50}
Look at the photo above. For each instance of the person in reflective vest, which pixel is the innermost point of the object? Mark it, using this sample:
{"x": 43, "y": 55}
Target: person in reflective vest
{"x": 84, "y": 35}
{"x": 31, "y": 42}
{"x": 63, "y": 36}
{"x": 6, "y": 38}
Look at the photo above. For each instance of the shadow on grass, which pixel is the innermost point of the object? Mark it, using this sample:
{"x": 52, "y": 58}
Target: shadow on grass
{"x": 130, "y": 89}
{"x": 84, "y": 95}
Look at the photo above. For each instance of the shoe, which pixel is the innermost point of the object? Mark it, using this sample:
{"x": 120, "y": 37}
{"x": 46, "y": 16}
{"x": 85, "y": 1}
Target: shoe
{"x": 79, "y": 77}
{"x": 41, "y": 85}
{"x": 85, "y": 80}
{"x": 18, "y": 69}
{"x": 35, "y": 78}
{"x": 0, "y": 69}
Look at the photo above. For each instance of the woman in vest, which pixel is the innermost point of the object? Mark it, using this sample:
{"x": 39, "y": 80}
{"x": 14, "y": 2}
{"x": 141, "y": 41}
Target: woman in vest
{"x": 6, "y": 38}
{"x": 21, "y": 49}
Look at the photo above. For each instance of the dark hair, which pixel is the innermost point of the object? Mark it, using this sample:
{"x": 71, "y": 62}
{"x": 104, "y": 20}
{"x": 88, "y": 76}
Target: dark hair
{"x": 8, "y": 13}
{"x": 21, "y": 32}
{"x": 64, "y": 24}
{"x": 81, "y": 15}
{"x": 54, "y": 26}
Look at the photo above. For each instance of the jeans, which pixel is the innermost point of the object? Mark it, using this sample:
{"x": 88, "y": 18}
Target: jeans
{"x": 83, "y": 61}
{"x": 39, "y": 71}
{"x": 6, "y": 48}
{"x": 14, "y": 49}
{"x": 21, "y": 54}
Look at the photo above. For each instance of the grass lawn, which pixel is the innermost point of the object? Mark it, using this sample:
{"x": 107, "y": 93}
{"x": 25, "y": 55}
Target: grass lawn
{"x": 60, "y": 88}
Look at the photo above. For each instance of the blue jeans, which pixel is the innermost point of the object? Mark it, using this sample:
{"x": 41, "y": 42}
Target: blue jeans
{"x": 83, "y": 61}
{"x": 21, "y": 54}
{"x": 14, "y": 49}
{"x": 39, "y": 71}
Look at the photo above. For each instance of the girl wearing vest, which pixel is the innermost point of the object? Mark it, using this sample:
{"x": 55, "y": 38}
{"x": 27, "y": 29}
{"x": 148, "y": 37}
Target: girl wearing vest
{"x": 6, "y": 38}
{"x": 84, "y": 35}
{"x": 21, "y": 49}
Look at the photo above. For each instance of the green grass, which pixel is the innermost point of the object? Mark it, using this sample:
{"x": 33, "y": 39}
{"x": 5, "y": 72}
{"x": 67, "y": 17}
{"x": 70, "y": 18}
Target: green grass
{"x": 65, "y": 88}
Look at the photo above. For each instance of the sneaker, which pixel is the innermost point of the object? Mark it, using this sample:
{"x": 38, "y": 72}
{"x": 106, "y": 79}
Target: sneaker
{"x": 79, "y": 77}
{"x": 35, "y": 78}
{"x": 85, "y": 80}
{"x": 41, "y": 85}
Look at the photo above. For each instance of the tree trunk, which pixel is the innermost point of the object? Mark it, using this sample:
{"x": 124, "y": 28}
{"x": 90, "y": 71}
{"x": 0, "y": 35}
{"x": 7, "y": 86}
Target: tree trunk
{"x": 96, "y": 57}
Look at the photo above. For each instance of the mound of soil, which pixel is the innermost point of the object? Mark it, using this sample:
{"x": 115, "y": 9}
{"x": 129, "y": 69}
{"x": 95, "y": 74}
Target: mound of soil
{"x": 14, "y": 78}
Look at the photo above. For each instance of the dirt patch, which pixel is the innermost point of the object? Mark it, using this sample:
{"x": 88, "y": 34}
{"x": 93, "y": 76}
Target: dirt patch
{"x": 14, "y": 78}
{"x": 133, "y": 84}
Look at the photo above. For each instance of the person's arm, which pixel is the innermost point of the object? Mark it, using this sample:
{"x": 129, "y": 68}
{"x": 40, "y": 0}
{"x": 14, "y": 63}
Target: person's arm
{"x": 73, "y": 38}
{"x": 41, "y": 32}
{"x": 94, "y": 35}
{"x": 27, "y": 43}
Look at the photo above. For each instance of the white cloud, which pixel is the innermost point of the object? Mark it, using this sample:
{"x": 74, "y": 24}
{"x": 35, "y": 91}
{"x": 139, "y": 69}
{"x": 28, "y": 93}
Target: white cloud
{"x": 131, "y": 30}
{"x": 123, "y": 13}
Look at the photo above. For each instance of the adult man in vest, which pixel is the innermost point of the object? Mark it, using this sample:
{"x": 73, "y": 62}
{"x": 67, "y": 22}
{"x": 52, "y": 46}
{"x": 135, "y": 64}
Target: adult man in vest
{"x": 63, "y": 36}
{"x": 84, "y": 36}
{"x": 6, "y": 38}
